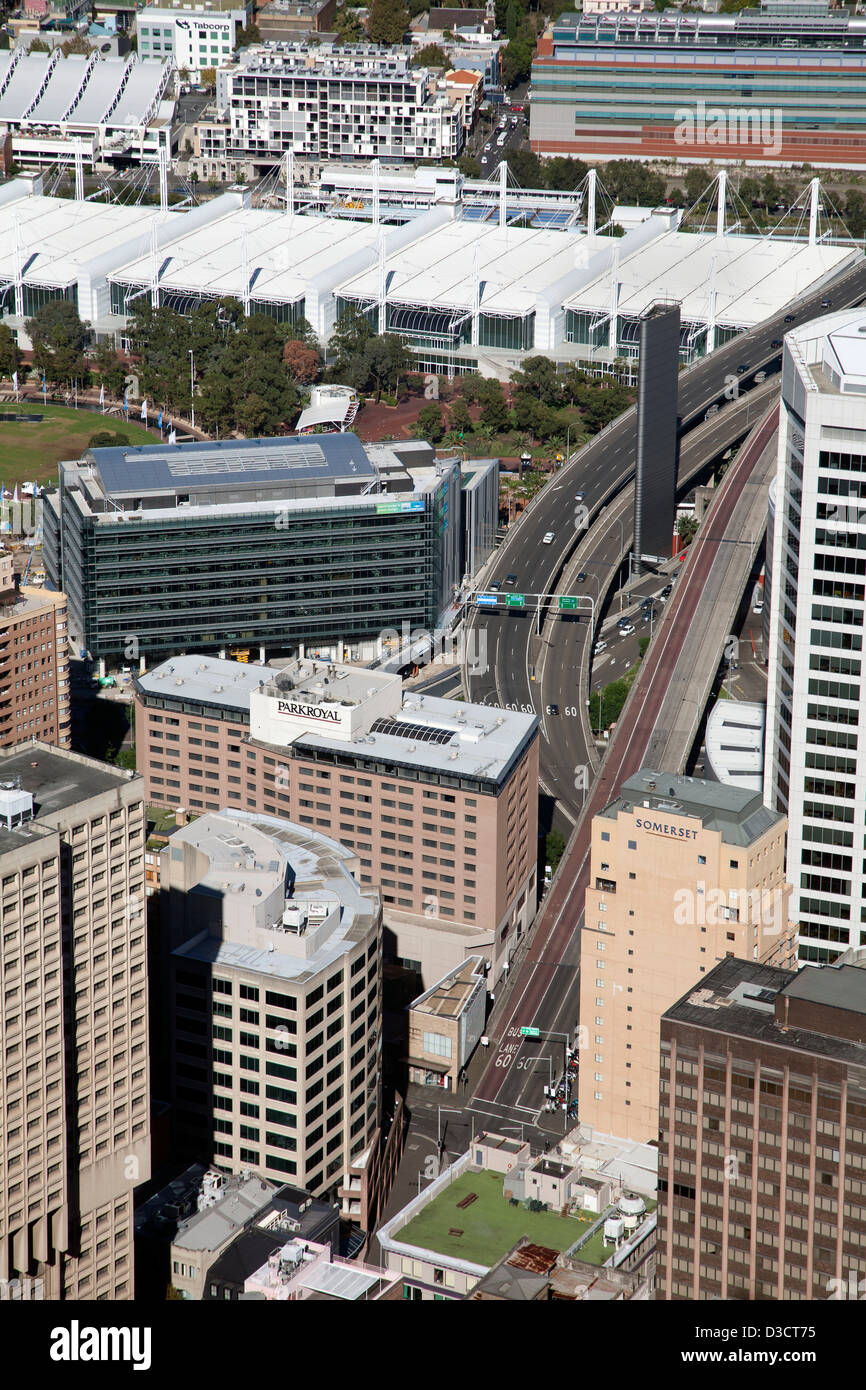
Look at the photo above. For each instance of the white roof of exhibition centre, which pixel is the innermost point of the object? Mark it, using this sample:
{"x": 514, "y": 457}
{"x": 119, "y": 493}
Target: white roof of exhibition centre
{"x": 755, "y": 277}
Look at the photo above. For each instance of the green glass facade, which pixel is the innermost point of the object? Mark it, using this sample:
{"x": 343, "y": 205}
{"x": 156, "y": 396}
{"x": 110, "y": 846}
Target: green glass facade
{"x": 228, "y": 577}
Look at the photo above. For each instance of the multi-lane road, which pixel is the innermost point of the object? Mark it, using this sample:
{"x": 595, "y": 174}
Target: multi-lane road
{"x": 526, "y": 672}
{"x": 545, "y": 993}
{"x": 532, "y": 671}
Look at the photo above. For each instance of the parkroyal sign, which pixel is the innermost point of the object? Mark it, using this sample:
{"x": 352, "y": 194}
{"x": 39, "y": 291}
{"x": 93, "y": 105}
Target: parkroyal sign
{"x": 660, "y": 827}
{"x": 323, "y": 715}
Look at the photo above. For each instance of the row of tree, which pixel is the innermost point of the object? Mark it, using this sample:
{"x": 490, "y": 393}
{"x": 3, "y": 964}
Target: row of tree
{"x": 542, "y": 405}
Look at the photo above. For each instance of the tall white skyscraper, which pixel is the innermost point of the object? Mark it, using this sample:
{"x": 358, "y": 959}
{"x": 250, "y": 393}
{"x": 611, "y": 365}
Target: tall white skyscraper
{"x": 815, "y": 762}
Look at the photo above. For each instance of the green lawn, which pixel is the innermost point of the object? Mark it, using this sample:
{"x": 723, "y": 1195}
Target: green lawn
{"x": 30, "y": 453}
{"x": 490, "y": 1226}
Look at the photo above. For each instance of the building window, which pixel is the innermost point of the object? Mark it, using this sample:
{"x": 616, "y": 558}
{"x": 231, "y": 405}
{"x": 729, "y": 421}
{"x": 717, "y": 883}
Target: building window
{"x": 437, "y": 1045}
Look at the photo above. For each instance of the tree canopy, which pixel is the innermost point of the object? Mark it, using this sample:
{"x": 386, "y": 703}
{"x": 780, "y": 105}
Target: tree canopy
{"x": 59, "y": 338}
{"x": 387, "y": 21}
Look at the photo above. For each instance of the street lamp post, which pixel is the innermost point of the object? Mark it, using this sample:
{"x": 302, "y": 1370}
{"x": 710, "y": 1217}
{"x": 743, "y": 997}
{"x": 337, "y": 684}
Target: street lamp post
{"x": 191, "y": 385}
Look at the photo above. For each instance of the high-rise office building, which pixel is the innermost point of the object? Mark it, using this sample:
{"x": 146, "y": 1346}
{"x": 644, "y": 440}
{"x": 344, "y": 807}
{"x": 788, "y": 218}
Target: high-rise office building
{"x": 34, "y": 663}
{"x": 272, "y": 954}
{"x": 683, "y": 873}
{"x": 262, "y": 543}
{"x": 74, "y": 1085}
{"x": 762, "y": 1134}
{"x": 815, "y": 769}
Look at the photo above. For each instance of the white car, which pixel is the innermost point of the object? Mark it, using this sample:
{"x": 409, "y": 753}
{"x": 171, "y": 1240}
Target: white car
{"x": 626, "y": 629}
{"x": 547, "y": 538}
{"x": 599, "y": 648}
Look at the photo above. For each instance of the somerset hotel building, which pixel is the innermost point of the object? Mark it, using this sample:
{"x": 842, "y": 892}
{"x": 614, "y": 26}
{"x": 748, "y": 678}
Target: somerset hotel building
{"x": 683, "y": 873}
{"x": 438, "y": 799}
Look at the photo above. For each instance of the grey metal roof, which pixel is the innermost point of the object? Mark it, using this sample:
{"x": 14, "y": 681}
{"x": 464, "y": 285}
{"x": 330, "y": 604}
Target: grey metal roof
{"x": 133, "y": 470}
{"x": 738, "y": 814}
{"x": 206, "y": 680}
{"x": 841, "y": 987}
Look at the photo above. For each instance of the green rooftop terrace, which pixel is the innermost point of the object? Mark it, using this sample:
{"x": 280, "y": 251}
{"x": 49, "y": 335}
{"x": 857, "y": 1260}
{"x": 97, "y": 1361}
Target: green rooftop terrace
{"x": 489, "y": 1226}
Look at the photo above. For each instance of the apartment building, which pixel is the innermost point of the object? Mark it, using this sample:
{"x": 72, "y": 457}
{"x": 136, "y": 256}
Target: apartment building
{"x": 438, "y": 799}
{"x": 273, "y": 958}
{"x": 445, "y": 1025}
{"x": 335, "y": 102}
{"x": 762, "y": 1138}
{"x": 74, "y": 1085}
{"x": 683, "y": 873}
{"x": 814, "y": 768}
{"x": 34, "y": 664}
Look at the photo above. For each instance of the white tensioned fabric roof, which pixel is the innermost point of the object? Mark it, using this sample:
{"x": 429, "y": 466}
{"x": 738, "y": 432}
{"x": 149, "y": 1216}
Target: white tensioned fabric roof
{"x": 755, "y": 277}
{"x": 285, "y": 254}
{"x": 515, "y": 265}
{"x": 58, "y": 236}
{"x": 98, "y": 85}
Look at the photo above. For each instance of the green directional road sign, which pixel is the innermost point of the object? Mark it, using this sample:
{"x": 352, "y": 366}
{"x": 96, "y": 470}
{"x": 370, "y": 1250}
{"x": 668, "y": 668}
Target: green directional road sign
{"x": 567, "y": 601}
{"x": 515, "y": 600}
{"x": 530, "y": 1032}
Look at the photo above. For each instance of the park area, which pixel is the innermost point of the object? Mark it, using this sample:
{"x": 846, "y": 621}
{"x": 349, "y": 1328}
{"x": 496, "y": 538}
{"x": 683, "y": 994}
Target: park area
{"x": 30, "y": 450}
{"x": 486, "y": 1229}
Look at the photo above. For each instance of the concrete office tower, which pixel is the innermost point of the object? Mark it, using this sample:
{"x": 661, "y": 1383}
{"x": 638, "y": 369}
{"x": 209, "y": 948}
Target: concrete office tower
{"x": 274, "y": 960}
{"x": 815, "y": 768}
{"x": 34, "y": 663}
{"x": 438, "y": 799}
{"x": 74, "y": 1087}
{"x": 683, "y": 873}
{"x": 762, "y": 1138}
{"x": 657, "y": 397}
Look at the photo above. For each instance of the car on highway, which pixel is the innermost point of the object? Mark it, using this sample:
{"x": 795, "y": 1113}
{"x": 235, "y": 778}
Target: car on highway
{"x": 487, "y": 146}
{"x": 623, "y": 622}
{"x": 547, "y": 538}
{"x": 776, "y": 343}
{"x": 789, "y": 318}
{"x": 579, "y": 496}
{"x": 626, "y": 629}
{"x": 511, "y": 580}
{"x": 666, "y": 593}
{"x": 553, "y": 709}
{"x": 826, "y": 303}
{"x": 743, "y": 367}
{"x": 495, "y": 586}
{"x": 599, "y": 648}
{"x": 581, "y": 578}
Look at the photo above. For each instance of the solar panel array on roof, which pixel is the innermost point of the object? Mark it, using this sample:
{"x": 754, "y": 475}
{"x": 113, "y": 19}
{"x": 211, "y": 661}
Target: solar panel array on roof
{"x": 418, "y": 733}
{"x": 300, "y": 456}
{"x": 161, "y": 467}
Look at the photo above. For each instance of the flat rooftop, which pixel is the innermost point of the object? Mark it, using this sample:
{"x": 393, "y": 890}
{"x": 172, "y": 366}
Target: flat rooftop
{"x": 206, "y": 680}
{"x": 258, "y": 861}
{"x": 242, "y": 1199}
{"x": 454, "y": 992}
{"x": 737, "y": 998}
{"x": 487, "y": 1228}
{"x": 56, "y": 779}
{"x": 737, "y": 813}
{"x": 245, "y": 465}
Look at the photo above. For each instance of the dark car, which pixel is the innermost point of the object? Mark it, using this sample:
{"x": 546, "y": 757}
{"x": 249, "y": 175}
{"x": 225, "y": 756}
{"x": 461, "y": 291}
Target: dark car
{"x": 743, "y": 367}
{"x": 495, "y": 585}
{"x": 511, "y": 580}
{"x": 553, "y": 709}
{"x": 777, "y": 342}
{"x": 789, "y": 318}
{"x": 667, "y": 590}
{"x": 581, "y": 578}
